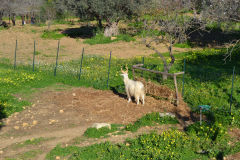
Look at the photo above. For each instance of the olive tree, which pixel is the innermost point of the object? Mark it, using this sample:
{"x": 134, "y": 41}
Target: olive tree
{"x": 111, "y": 11}
{"x": 168, "y": 25}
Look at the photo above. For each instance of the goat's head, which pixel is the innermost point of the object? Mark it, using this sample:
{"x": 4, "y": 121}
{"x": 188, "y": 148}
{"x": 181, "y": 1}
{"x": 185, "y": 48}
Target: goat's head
{"x": 124, "y": 73}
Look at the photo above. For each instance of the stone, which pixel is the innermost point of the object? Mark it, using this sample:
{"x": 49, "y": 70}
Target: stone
{"x": 51, "y": 121}
{"x": 58, "y": 157}
{"x": 61, "y": 111}
{"x": 113, "y": 38}
{"x": 74, "y": 94}
{"x": 127, "y": 144}
{"x": 1, "y": 152}
{"x": 25, "y": 124}
{"x": 167, "y": 114}
{"x": 101, "y": 125}
{"x": 35, "y": 122}
{"x": 16, "y": 127}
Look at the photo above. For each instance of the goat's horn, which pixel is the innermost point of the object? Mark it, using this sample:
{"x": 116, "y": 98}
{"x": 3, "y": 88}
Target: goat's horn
{"x": 126, "y": 68}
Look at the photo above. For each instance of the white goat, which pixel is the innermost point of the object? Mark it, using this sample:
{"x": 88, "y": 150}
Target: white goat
{"x": 133, "y": 88}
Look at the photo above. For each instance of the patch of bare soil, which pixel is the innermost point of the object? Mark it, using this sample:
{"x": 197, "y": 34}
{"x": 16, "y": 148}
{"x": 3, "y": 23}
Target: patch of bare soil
{"x": 62, "y": 116}
{"x": 70, "y": 48}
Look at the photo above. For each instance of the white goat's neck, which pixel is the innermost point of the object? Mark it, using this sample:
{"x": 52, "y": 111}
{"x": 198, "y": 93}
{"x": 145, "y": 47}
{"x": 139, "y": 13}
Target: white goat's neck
{"x": 126, "y": 79}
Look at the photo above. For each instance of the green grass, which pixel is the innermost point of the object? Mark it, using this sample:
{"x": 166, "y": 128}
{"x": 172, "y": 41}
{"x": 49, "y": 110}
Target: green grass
{"x": 150, "y": 120}
{"x": 52, "y": 35}
{"x": 34, "y": 31}
{"x": 34, "y": 142}
{"x": 101, "y": 132}
{"x": 101, "y": 39}
{"x": 183, "y": 45}
{"x": 170, "y": 144}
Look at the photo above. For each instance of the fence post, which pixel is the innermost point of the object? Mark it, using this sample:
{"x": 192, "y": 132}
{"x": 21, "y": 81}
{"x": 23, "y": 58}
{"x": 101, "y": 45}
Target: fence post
{"x": 55, "y": 70}
{"x": 143, "y": 64}
{"x": 109, "y": 65}
{"x": 232, "y": 90}
{"x": 34, "y": 51}
{"x": 15, "y": 56}
{"x": 184, "y": 69}
{"x": 80, "y": 72}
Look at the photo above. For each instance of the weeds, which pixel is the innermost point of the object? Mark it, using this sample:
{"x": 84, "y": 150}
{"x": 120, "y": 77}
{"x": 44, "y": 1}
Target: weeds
{"x": 150, "y": 120}
{"x": 52, "y": 35}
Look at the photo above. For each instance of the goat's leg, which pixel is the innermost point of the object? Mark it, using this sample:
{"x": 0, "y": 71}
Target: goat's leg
{"x": 137, "y": 99}
{"x": 129, "y": 97}
{"x": 143, "y": 99}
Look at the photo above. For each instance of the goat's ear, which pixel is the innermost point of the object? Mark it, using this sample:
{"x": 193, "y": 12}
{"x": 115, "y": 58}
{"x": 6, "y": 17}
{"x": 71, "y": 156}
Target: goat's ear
{"x": 126, "y": 68}
{"x": 122, "y": 70}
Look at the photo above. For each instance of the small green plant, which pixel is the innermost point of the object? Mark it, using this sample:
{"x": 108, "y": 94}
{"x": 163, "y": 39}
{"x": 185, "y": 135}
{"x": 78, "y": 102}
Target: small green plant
{"x": 150, "y": 120}
{"x": 101, "y": 39}
{"x": 34, "y": 31}
{"x": 101, "y": 132}
{"x": 183, "y": 45}
{"x": 52, "y": 35}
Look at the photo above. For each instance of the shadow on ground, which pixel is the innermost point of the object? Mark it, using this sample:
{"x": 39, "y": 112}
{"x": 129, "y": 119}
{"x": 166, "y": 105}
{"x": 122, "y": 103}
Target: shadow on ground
{"x": 2, "y": 115}
{"x": 82, "y": 32}
{"x": 214, "y": 37}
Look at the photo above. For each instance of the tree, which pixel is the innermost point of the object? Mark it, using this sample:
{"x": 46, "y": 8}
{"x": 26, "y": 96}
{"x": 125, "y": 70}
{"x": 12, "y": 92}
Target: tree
{"x": 167, "y": 24}
{"x": 111, "y": 11}
{"x": 225, "y": 12}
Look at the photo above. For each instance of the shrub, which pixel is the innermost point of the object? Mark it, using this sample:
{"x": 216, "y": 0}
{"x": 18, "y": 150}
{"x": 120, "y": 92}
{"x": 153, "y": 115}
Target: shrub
{"x": 52, "y": 35}
{"x": 149, "y": 120}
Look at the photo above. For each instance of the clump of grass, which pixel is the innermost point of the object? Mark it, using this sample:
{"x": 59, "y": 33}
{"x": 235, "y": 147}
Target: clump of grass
{"x": 150, "y": 120}
{"x": 183, "y": 45}
{"x": 101, "y": 39}
{"x": 34, "y": 31}
{"x": 52, "y": 35}
{"x": 101, "y": 132}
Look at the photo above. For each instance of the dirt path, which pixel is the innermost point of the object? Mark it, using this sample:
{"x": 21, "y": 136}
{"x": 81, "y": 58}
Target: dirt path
{"x": 61, "y": 116}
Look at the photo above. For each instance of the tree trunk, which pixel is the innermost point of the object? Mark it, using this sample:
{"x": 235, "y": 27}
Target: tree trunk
{"x": 100, "y": 23}
{"x": 1, "y": 16}
{"x": 23, "y": 19}
{"x": 111, "y": 30}
{"x": 13, "y": 19}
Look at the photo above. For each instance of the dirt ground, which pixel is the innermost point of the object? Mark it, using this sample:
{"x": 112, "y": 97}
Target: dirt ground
{"x": 70, "y": 48}
{"x": 62, "y": 116}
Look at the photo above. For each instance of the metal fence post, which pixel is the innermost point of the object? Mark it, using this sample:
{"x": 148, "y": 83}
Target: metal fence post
{"x": 143, "y": 64}
{"x": 232, "y": 90}
{"x": 34, "y": 52}
{"x": 109, "y": 65}
{"x": 55, "y": 70}
{"x": 15, "y": 56}
{"x": 80, "y": 72}
{"x": 184, "y": 70}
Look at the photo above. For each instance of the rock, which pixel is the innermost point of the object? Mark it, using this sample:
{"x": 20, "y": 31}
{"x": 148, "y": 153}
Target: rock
{"x": 167, "y": 114}
{"x": 16, "y": 127}
{"x": 35, "y": 122}
{"x": 101, "y": 125}
{"x": 113, "y": 38}
{"x": 127, "y": 144}
{"x": 11, "y": 137}
{"x": 33, "y": 105}
{"x": 74, "y": 94}
{"x": 25, "y": 124}
{"x": 1, "y": 152}
{"x": 57, "y": 157}
{"x": 51, "y": 121}
{"x": 19, "y": 99}
{"x": 61, "y": 111}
